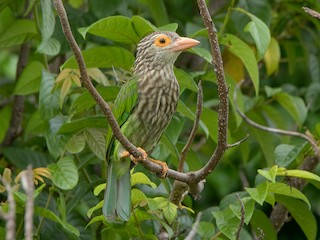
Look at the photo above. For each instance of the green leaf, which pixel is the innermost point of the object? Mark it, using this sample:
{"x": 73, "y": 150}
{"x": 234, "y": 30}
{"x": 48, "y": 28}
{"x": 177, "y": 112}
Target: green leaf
{"x": 309, "y": 176}
{"x": 30, "y": 79}
{"x": 206, "y": 230}
{"x": 293, "y": 105}
{"x": 43, "y": 212}
{"x": 203, "y": 53}
{"x": 55, "y": 141}
{"x": 114, "y": 28}
{"x": 227, "y": 222}
{"x": 303, "y": 216}
{"x": 269, "y": 174}
{"x": 96, "y": 140}
{"x": 98, "y": 189}
{"x": 286, "y": 190}
{"x": 141, "y": 178}
{"x": 286, "y": 155}
{"x": 171, "y": 27}
{"x": 19, "y": 32}
{"x": 240, "y": 49}
{"x": 82, "y": 123}
{"x": 259, "y": 32}
{"x": 170, "y": 212}
{"x": 49, "y": 47}
{"x": 35, "y": 124}
{"x": 142, "y": 26}
{"x": 76, "y": 143}
{"x": 85, "y": 101}
{"x": 94, "y": 208}
{"x": 104, "y": 57}
{"x": 185, "y": 80}
{"x": 48, "y": 100}
{"x": 5, "y": 114}
{"x": 262, "y": 226}
{"x": 138, "y": 198}
{"x": 258, "y": 193}
{"x": 248, "y": 207}
{"x": 64, "y": 173}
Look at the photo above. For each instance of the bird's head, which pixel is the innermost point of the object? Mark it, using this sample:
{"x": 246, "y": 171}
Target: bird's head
{"x": 161, "y": 48}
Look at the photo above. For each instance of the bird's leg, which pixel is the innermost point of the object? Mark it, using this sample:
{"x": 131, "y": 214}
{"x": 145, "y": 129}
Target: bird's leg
{"x": 144, "y": 156}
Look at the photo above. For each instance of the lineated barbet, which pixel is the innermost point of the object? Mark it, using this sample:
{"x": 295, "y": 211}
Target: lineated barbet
{"x": 143, "y": 108}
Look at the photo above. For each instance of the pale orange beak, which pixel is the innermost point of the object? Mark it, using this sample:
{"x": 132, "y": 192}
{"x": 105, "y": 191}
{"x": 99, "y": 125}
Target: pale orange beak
{"x": 184, "y": 43}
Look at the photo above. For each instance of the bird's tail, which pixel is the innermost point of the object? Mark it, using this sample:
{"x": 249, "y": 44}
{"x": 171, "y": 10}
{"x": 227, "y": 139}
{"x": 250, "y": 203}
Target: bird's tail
{"x": 117, "y": 198}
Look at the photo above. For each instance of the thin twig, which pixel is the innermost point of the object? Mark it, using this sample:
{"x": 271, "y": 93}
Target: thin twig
{"x": 191, "y": 235}
{"x": 311, "y": 12}
{"x": 275, "y": 130}
{"x": 10, "y": 217}
{"x": 239, "y": 142}
{"x": 28, "y": 186}
{"x": 192, "y": 135}
{"x": 241, "y": 218}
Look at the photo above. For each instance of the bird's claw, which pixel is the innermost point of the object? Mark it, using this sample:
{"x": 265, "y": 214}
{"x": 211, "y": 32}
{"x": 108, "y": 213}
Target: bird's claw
{"x": 143, "y": 157}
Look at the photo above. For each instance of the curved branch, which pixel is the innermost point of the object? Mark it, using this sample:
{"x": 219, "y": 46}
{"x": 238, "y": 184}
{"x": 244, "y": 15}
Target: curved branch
{"x": 186, "y": 148}
{"x": 275, "y": 130}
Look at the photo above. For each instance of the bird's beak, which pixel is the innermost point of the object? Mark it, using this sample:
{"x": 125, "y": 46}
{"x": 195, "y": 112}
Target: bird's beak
{"x": 184, "y": 43}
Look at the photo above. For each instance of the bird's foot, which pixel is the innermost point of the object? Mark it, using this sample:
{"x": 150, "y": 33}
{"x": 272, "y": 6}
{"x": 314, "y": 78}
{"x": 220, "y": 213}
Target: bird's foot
{"x": 143, "y": 157}
{"x": 164, "y": 166}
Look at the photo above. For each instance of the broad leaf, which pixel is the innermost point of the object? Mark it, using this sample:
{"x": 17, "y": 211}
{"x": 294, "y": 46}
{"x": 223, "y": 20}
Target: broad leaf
{"x": 104, "y": 57}
{"x": 29, "y": 80}
{"x": 64, "y": 173}
{"x": 114, "y": 28}
{"x": 96, "y": 140}
{"x": 244, "y": 52}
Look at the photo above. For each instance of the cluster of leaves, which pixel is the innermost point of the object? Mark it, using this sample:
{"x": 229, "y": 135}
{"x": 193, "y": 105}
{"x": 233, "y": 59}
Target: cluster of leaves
{"x": 272, "y": 45}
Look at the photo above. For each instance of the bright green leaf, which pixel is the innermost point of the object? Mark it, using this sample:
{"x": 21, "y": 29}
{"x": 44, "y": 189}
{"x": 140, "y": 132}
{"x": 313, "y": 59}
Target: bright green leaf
{"x": 95, "y": 208}
{"x": 203, "y": 53}
{"x": 114, "y": 28}
{"x": 286, "y": 190}
{"x": 104, "y": 57}
{"x": 286, "y": 155}
{"x": 269, "y": 174}
{"x": 141, "y": 178}
{"x": 258, "y": 193}
{"x": 142, "y": 26}
{"x": 138, "y": 198}
{"x": 185, "y": 80}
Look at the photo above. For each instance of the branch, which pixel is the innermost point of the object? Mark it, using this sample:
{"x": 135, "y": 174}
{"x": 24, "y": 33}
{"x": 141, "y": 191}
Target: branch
{"x": 223, "y": 110}
{"x": 28, "y": 186}
{"x": 313, "y": 143}
{"x": 194, "y": 229}
{"x": 9, "y": 217}
{"x": 186, "y": 148}
{"x": 241, "y": 219}
{"x": 311, "y": 12}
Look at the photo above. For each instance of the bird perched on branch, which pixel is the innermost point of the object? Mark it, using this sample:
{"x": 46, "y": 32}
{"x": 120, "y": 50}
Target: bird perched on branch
{"x": 143, "y": 109}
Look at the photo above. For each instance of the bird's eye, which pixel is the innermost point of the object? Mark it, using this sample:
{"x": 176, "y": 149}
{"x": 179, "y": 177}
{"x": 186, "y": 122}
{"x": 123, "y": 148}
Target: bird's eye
{"x": 162, "y": 40}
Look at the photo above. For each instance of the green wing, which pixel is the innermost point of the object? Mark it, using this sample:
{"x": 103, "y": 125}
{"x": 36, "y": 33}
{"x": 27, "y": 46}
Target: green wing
{"x": 125, "y": 102}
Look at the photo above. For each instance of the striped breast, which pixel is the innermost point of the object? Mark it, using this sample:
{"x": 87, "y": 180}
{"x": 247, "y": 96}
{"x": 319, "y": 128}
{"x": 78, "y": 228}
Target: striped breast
{"x": 158, "y": 97}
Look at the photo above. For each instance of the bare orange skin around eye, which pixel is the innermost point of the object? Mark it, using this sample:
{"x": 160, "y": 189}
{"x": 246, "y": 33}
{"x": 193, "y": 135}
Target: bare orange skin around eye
{"x": 162, "y": 41}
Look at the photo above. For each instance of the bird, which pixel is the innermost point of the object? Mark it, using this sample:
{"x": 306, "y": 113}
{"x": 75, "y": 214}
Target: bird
{"x": 143, "y": 108}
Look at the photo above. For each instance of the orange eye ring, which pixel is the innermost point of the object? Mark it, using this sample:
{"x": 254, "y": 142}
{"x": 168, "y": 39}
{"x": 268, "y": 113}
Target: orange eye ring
{"x": 162, "y": 40}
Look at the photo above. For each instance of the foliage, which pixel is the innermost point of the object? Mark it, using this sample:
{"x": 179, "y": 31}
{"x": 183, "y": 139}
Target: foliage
{"x": 273, "y": 45}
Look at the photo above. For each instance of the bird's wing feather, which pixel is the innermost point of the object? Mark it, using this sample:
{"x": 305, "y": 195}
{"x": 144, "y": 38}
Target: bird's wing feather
{"x": 125, "y": 102}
